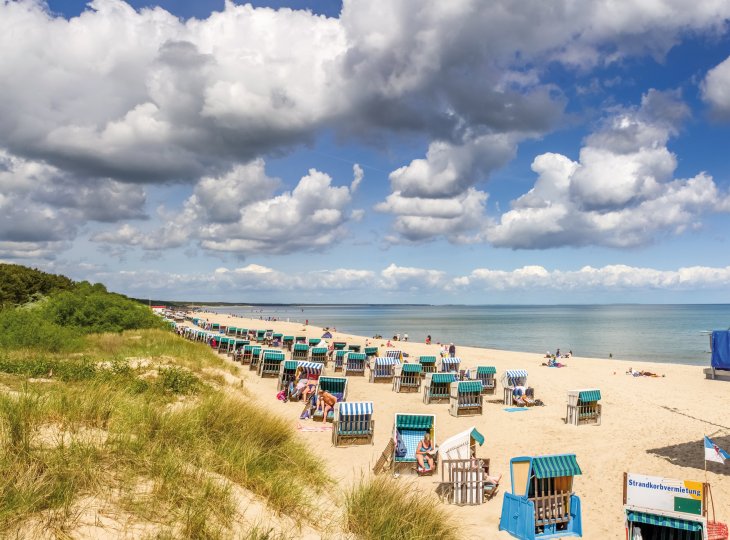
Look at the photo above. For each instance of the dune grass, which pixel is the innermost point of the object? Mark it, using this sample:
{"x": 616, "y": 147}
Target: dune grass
{"x": 154, "y": 438}
{"x": 383, "y": 508}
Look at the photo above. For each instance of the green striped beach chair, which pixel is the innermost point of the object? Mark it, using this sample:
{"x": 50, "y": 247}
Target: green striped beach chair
{"x": 354, "y": 348}
{"x": 300, "y": 339}
{"x": 339, "y": 345}
{"x": 428, "y": 363}
{"x": 260, "y": 335}
{"x": 583, "y": 407}
{"x": 353, "y": 421}
{"x": 437, "y": 387}
{"x": 300, "y": 351}
{"x": 410, "y": 428}
{"x": 255, "y": 358}
{"x": 337, "y": 386}
{"x": 371, "y": 352}
{"x": 238, "y": 354}
{"x": 485, "y": 375}
{"x": 318, "y": 354}
{"x": 340, "y": 359}
{"x": 354, "y": 364}
{"x": 465, "y": 398}
{"x": 231, "y": 330}
{"x": 288, "y": 342}
{"x": 383, "y": 369}
{"x": 270, "y": 364}
{"x": 407, "y": 378}
{"x": 313, "y": 342}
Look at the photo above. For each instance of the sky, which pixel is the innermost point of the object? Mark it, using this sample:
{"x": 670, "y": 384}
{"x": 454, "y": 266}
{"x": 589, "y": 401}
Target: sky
{"x": 379, "y": 151}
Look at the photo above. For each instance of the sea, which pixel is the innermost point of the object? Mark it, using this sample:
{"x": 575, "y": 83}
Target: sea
{"x": 655, "y": 333}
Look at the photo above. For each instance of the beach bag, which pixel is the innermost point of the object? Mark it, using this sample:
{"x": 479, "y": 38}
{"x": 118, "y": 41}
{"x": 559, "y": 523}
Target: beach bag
{"x": 400, "y": 448}
{"x": 281, "y": 396}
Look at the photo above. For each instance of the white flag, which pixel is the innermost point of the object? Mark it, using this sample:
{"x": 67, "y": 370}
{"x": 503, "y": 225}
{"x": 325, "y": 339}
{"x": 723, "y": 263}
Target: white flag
{"x": 714, "y": 452}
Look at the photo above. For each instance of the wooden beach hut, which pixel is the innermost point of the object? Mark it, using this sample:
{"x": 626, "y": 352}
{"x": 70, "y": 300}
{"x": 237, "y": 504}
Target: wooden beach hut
{"x": 583, "y": 407}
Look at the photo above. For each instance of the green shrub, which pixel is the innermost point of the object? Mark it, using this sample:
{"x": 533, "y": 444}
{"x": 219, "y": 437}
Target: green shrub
{"x": 177, "y": 380}
{"x": 28, "y": 328}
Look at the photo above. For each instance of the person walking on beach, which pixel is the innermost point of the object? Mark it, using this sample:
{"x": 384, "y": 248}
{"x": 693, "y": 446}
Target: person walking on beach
{"x": 405, "y": 337}
{"x": 452, "y": 350}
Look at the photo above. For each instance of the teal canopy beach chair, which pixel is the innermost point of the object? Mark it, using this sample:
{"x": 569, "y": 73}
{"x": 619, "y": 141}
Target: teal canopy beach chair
{"x": 340, "y": 359}
{"x": 407, "y": 378}
{"x": 410, "y": 429}
{"x": 337, "y": 386}
{"x": 428, "y": 363}
{"x": 485, "y": 375}
{"x": 437, "y": 387}
{"x": 300, "y": 351}
{"x": 270, "y": 364}
{"x": 371, "y": 351}
{"x": 583, "y": 407}
{"x": 255, "y": 357}
{"x": 318, "y": 354}
{"x": 465, "y": 398}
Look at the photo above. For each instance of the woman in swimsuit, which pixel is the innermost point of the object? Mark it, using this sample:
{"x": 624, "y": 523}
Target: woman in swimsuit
{"x": 424, "y": 446}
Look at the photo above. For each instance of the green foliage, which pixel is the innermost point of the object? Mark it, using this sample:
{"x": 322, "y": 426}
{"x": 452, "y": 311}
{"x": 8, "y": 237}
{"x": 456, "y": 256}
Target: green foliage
{"x": 20, "y": 284}
{"x": 381, "y": 507}
{"x": 177, "y": 380}
{"x": 90, "y": 308}
{"x": 28, "y": 328}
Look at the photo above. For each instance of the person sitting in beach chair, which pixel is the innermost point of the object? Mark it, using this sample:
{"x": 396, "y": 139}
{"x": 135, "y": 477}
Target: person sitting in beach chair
{"x": 424, "y": 453}
{"x": 326, "y": 403}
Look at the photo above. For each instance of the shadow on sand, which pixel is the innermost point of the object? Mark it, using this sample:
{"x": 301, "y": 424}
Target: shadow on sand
{"x": 692, "y": 454}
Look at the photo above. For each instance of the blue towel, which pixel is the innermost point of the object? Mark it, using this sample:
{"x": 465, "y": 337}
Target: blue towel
{"x": 516, "y": 409}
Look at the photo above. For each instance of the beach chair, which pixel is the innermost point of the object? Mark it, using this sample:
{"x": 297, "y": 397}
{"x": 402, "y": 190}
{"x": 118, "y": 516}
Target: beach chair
{"x": 318, "y": 354}
{"x": 394, "y": 353}
{"x": 289, "y": 368}
{"x": 337, "y": 386}
{"x": 410, "y": 428}
{"x": 222, "y": 328}
{"x": 437, "y": 387}
{"x": 270, "y": 364}
{"x": 354, "y": 364}
{"x": 260, "y": 335}
{"x": 215, "y": 327}
{"x": 231, "y": 330}
{"x": 407, "y": 378}
{"x": 313, "y": 342}
{"x": 339, "y": 345}
{"x": 222, "y": 345}
{"x": 449, "y": 364}
{"x": 339, "y": 359}
{"x": 245, "y": 357}
{"x": 354, "y": 348}
{"x": 465, "y": 398}
{"x": 465, "y": 477}
{"x": 371, "y": 352}
{"x": 353, "y": 421}
{"x": 485, "y": 375}
{"x": 583, "y": 407}
{"x": 288, "y": 342}
{"x": 510, "y": 379}
{"x": 277, "y": 337}
{"x": 237, "y": 348}
{"x": 542, "y": 503}
{"x": 300, "y": 351}
{"x": 428, "y": 363}
{"x": 383, "y": 369}
{"x": 255, "y": 358}
{"x": 300, "y": 339}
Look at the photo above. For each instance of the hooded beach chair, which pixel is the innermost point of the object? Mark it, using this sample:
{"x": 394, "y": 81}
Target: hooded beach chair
{"x": 583, "y": 407}
{"x": 239, "y": 354}
{"x": 300, "y": 351}
{"x": 354, "y": 364}
{"x": 288, "y": 371}
{"x": 313, "y": 342}
{"x": 276, "y": 338}
{"x": 353, "y": 421}
{"x": 339, "y": 345}
{"x": 300, "y": 339}
{"x": 465, "y": 398}
{"x": 465, "y": 477}
{"x": 428, "y": 363}
{"x": 407, "y": 378}
{"x": 215, "y": 327}
{"x": 231, "y": 330}
{"x": 260, "y": 336}
{"x": 318, "y": 354}
{"x": 337, "y": 386}
{"x": 542, "y": 503}
{"x": 255, "y": 357}
{"x": 437, "y": 387}
{"x": 450, "y": 364}
{"x": 287, "y": 342}
{"x": 371, "y": 351}
{"x": 394, "y": 353}
{"x": 270, "y": 364}
{"x": 485, "y": 375}
{"x": 410, "y": 429}
{"x": 510, "y": 379}
{"x": 354, "y": 348}
{"x": 222, "y": 345}
{"x": 383, "y": 369}
{"x": 223, "y": 329}
{"x": 339, "y": 359}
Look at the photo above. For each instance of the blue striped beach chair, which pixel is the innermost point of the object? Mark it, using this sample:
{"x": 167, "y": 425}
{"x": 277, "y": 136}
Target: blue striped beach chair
{"x": 407, "y": 378}
{"x": 255, "y": 358}
{"x": 289, "y": 368}
{"x": 410, "y": 428}
{"x": 383, "y": 369}
{"x": 510, "y": 379}
{"x": 437, "y": 387}
{"x": 465, "y": 398}
{"x": 371, "y": 352}
{"x": 339, "y": 359}
{"x": 353, "y": 421}
{"x": 428, "y": 363}
{"x": 450, "y": 365}
{"x": 337, "y": 386}
{"x": 394, "y": 353}
{"x": 270, "y": 364}
{"x": 300, "y": 351}
{"x": 485, "y": 375}
{"x": 318, "y": 354}
{"x": 354, "y": 364}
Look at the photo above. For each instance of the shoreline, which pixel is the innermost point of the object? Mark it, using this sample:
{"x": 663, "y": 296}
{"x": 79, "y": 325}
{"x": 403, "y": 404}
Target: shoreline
{"x": 651, "y": 426}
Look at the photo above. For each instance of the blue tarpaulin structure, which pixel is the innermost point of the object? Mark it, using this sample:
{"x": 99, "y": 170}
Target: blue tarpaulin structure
{"x": 720, "y": 349}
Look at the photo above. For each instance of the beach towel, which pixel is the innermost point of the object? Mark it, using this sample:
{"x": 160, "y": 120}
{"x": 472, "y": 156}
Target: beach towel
{"x": 516, "y": 409}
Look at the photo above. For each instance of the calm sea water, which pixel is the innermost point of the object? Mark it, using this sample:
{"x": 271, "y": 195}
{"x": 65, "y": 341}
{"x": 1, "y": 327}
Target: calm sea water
{"x": 658, "y": 333}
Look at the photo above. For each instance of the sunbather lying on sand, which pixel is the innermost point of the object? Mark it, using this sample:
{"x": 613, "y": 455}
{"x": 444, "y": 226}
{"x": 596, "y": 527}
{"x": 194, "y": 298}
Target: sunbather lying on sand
{"x": 639, "y": 373}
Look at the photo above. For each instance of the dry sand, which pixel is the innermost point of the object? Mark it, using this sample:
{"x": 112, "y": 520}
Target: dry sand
{"x": 651, "y": 426}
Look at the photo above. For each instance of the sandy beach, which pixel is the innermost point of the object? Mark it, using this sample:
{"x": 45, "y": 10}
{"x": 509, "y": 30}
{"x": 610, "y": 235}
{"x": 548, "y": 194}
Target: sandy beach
{"x": 651, "y": 426}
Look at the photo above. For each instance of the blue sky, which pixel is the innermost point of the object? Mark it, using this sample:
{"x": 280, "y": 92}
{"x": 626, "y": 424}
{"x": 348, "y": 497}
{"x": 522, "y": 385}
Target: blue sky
{"x": 382, "y": 151}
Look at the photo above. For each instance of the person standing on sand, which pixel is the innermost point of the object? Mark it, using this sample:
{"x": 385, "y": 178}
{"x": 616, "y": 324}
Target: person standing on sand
{"x": 452, "y": 350}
